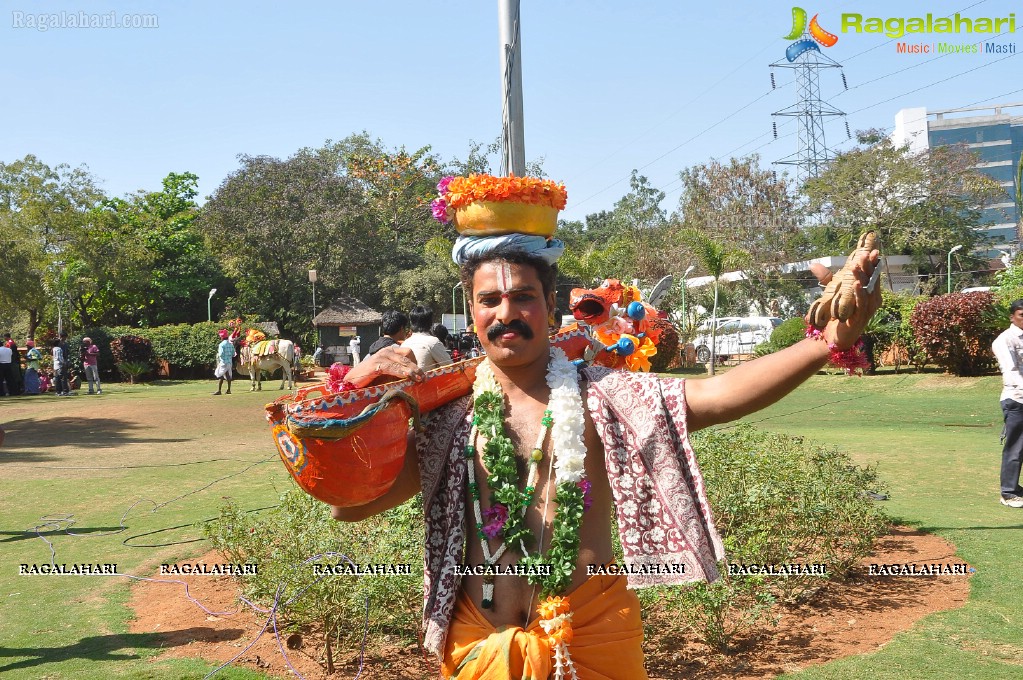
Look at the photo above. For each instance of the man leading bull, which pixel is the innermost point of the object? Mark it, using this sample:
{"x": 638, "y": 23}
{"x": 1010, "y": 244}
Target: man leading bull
{"x": 519, "y": 479}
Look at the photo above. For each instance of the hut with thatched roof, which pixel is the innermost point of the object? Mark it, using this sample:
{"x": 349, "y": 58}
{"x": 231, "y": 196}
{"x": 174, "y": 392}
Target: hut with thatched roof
{"x": 343, "y": 318}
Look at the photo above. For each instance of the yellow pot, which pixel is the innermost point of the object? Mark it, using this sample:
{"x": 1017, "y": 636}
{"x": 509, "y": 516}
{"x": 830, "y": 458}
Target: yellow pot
{"x": 489, "y": 218}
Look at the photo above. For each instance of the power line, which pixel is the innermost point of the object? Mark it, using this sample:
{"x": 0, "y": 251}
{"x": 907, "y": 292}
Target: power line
{"x": 676, "y": 148}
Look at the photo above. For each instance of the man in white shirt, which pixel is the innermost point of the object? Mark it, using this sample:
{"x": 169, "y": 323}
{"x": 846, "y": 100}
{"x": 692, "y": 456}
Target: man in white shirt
{"x": 1008, "y": 349}
{"x": 354, "y": 347}
{"x": 429, "y": 350}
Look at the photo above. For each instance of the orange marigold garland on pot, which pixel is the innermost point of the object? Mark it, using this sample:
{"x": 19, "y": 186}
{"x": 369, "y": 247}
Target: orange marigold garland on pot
{"x": 484, "y": 205}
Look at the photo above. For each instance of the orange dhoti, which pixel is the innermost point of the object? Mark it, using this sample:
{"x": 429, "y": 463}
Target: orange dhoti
{"x": 607, "y": 641}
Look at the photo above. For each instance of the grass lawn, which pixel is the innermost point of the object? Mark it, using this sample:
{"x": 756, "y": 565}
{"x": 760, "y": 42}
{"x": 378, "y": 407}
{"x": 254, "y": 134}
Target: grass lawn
{"x": 935, "y": 439}
{"x": 180, "y": 453}
{"x": 78, "y": 465}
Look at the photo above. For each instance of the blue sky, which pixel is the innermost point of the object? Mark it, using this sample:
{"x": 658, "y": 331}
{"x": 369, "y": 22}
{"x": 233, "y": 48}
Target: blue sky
{"x": 608, "y": 86}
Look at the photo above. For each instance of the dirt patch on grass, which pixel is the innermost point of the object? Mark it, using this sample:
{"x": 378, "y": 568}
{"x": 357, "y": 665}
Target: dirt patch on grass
{"x": 193, "y": 632}
{"x": 946, "y": 382}
{"x": 858, "y": 616}
{"x": 855, "y": 617}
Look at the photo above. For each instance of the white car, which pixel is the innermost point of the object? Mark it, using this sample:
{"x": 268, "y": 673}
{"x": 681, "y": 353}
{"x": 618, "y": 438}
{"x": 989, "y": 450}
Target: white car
{"x": 735, "y": 335}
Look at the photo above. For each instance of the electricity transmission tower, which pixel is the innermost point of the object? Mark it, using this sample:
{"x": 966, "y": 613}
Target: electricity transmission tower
{"x": 810, "y": 111}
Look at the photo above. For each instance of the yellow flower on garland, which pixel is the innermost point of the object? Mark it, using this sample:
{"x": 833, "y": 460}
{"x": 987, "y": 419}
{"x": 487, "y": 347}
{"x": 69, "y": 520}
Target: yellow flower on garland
{"x": 553, "y": 606}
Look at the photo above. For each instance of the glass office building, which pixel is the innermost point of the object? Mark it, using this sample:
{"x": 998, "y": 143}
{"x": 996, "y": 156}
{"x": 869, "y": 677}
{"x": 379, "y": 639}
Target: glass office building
{"x": 995, "y": 134}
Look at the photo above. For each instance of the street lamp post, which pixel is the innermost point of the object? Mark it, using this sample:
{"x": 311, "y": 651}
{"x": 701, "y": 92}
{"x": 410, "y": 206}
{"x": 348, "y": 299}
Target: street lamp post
{"x": 209, "y": 305}
{"x": 948, "y": 268}
{"x": 691, "y": 268}
{"x": 312, "y": 280}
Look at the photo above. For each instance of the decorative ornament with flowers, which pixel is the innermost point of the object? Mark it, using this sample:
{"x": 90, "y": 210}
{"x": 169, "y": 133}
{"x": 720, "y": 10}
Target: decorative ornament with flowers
{"x": 458, "y": 193}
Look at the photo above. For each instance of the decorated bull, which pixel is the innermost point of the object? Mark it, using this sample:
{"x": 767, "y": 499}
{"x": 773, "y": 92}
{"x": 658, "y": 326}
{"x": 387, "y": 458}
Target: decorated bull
{"x": 258, "y": 354}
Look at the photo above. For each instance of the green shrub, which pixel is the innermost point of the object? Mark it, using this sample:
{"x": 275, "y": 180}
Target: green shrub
{"x": 956, "y": 331}
{"x": 1008, "y": 287}
{"x": 776, "y": 500}
{"x": 788, "y": 333}
{"x": 133, "y": 355}
{"x": 281, "y": 540}
{"x": 892, "y": 328}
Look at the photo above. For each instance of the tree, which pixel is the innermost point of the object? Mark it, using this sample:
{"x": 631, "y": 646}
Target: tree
{"x": 741, "y": 204}
{"x": 920, "y": 204}
{"x": 353, "y": 210}
{"x": 430, "y": 283}
{"x": 593, "y": 264}
{"x": 43, "y": 211}
{"x": 153, "y": 267}
{"x": 272, "y": 220}
{"x": 715, "y": 257}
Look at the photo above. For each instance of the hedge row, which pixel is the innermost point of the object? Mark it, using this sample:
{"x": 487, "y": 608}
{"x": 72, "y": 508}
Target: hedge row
{"x": 189, "y": 347}
{"x": 952, "y": 331}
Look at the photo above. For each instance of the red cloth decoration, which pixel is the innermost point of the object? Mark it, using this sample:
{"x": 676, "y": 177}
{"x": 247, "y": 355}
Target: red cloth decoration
{"x": 853, "y": 360}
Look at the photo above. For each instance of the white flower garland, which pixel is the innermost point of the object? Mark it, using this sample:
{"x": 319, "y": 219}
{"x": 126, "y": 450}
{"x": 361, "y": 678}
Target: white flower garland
{"x": 566, "y": 406}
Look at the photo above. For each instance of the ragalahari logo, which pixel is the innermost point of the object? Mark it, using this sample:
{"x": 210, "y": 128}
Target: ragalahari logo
{"x": 799, "y": 27}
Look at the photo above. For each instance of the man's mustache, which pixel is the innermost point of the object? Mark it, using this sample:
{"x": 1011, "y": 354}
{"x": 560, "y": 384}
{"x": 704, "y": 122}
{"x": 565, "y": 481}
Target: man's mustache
{"x": 499, "y": 329}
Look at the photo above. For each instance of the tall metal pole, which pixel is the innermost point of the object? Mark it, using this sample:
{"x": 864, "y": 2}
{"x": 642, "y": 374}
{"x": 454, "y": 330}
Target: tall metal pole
{"x": 513, "y": 147}
{"x": 948, "y": 266}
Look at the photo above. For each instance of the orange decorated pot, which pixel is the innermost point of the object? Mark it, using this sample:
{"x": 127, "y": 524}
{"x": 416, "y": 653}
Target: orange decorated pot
{"x": 347, "y": 449}
{"x": 490, "y": 218}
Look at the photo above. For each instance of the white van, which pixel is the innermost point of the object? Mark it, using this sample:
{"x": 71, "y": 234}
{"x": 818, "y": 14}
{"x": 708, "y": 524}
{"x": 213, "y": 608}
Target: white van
{"x": 735, "y": 336}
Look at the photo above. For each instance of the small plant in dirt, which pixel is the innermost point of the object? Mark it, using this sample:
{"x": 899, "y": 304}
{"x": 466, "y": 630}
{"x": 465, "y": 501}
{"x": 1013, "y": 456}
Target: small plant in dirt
{"x": 956, "y": 331}
{"x": 780, "y": 500}
{"x": 283, "y": 542}
{"x": 777, "y": 500}
{"x": 133, "y": 356}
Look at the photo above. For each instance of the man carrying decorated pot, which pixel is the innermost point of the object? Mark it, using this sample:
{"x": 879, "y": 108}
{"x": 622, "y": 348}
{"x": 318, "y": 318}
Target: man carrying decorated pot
{"x": 519, "y": 479}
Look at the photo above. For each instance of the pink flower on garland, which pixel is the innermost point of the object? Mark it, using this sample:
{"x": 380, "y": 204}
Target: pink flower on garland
{"x": 442, "y": 186}
{"x": 494, "y": 519}
{"x": 439, "y": 208}
{"x": 585, "y": 486}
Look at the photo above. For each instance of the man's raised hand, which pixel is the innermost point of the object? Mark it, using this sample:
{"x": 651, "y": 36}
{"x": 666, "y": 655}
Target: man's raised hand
{"x": 393, "y": 362}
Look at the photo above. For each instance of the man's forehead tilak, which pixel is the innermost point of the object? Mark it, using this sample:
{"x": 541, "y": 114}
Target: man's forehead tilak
{"x": 504, "y": 278}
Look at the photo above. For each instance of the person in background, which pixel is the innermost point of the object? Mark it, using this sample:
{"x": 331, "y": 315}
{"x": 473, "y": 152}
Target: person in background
{"x": 90, "y": 362}
{"x": 45, "y": 381}
{"x": 1008, "y": 349}
{"x": 33, "y": 357}
{"x": 318, "y": 354}
{"x": 65, "y": 374}
{"x": 440, "y": 331}
{"x": 556, "y": 318}
{"x": 225, "y": 361}
{"x": 395, "y": 328}
{"x": 354, "y": 347}
{"x": 60, "y": 370}
{"x": 6, "y": 371}
{"x": 18, "y": 383}
{"x": 429, "y": 351}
